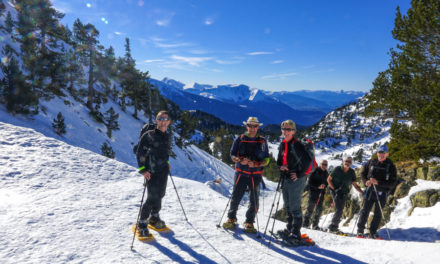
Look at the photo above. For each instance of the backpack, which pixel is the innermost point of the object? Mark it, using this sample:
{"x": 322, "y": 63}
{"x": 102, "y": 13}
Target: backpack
{"x": 145, "y": 129}
{"x": 309, "y": 148}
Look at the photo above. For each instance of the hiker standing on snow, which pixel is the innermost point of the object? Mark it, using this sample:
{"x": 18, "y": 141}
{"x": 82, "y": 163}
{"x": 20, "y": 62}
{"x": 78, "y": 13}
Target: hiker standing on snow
{"x": 293, "y": 162}
{"x": 152, "y": 156}
{"x": 380, "y": 176}
{"x": 250, "y": 154}
{"x": 339, "y": 182}
{"x": 316, "y": 183}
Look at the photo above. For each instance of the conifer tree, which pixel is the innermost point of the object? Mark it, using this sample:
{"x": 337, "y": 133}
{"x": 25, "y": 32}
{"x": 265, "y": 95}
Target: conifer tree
{"x": 107, "y": 150}
{"x": 58, "y": 124}
{"x": 9, "y": 24}
{"x": 409, "y": 89}
{"x": 111, "y": 121}
{"x": 16, "y": 91}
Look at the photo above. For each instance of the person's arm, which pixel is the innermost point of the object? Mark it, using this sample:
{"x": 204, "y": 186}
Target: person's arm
{"x": 330, "y": 183}
{"x": 143, "y": 161}
{"x": 356, "y": 186}
{"x": 364, "y": 173}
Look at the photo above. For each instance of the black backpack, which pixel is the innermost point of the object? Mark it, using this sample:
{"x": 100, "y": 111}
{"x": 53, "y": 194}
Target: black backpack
{"x": 145, "y": 129}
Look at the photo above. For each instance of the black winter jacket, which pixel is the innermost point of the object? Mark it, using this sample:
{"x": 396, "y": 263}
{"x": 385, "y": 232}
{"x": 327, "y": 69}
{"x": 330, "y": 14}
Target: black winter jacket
{"x": 154, "y": 151}
{"x": 297, "y": 158}
{"x": 384, "y": 172}
{"x": 316, "y": 178}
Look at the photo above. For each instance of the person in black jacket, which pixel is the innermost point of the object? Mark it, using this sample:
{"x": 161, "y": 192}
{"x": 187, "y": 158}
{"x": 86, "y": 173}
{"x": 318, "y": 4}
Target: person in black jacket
{"x": 380, "y": 173}
{"x": 293, "y": 162}
{"x": 317, "y": 184}
{"x": 152, "y": 156}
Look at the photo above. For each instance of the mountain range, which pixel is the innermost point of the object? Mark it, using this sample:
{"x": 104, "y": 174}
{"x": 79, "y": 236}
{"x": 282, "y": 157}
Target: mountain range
{"x": 235, "y": 103}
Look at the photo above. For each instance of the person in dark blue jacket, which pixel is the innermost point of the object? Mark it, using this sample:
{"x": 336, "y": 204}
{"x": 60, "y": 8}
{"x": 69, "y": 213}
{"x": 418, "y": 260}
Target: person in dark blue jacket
{"x": 250, "y": 154}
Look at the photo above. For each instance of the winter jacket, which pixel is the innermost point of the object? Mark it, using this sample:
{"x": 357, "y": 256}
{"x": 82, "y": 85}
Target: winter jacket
{"x": 317, "y": 178}
{"x": 384, "y": 172}
{"x": 153, "y": 151}
{"x": 254, "y": 149}
{"x": 294, "y": 156}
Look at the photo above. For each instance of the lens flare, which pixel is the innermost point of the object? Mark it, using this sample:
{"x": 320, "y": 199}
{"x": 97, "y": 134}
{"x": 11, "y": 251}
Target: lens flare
{"x": 89, "y": 5}
{"x": 5, "y": 60}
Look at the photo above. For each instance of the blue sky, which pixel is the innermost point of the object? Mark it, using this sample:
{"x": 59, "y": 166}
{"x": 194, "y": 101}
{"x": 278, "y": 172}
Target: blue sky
{"x": 271, "y": 45}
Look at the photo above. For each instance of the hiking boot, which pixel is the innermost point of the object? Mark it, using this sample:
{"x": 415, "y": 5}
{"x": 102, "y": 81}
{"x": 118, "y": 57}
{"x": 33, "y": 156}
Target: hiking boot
{"x": 333, "y": 229}
{"x": 249, "y": 228}
{"x": 373, "y": 235}
{"x": 316, "y": 228}
{"x": 360, "y": 233}
{"x": 230, "y": 223}
{"x": 143, "y": 233}
{"x": 156, "y": 222}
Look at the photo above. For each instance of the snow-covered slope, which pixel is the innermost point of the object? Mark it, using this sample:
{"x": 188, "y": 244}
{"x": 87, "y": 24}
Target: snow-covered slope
{"x": 84, "y": 132}
{"x": 65, "y": 204}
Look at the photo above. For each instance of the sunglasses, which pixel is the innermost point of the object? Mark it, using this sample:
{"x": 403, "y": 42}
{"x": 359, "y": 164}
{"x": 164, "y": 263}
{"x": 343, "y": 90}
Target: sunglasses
{"x": 287, "y": 129}
{"x": 348, "y": 161}
{"x": 163, "y": 119}
{"x": 323, "y": 164}
{"x": 252, "y": 126}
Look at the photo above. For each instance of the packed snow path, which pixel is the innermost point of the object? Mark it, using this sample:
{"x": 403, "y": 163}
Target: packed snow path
{"x": 61, "y": 203}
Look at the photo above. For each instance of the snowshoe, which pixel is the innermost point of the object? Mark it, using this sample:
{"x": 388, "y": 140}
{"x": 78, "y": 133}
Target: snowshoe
{"x": 361, "y": 235}
{"x": 230, "y": 224}
{"x": 291, "y": 240}
{"x": 249, "y": 228}
{"x": 375, "y": 236}
{"x": 142, "y": 234}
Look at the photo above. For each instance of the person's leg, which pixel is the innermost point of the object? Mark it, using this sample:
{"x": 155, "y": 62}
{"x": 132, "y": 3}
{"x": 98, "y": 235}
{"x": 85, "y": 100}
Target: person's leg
{"x": 237, "y": 195}
{"x": 313, "y": 197}
{"x": 377, "y": 213}
{"x": 254, "y": 194}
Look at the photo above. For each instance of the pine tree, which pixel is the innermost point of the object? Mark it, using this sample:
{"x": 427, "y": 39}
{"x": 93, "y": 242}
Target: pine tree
{"x": 111, "y": 121}
{"x": 16, "y": 91}
{"x": 107, "y": 150}
{"x": 409, "y": 89}
{"x": 85, "y": 38}
{"x": 58, "y": 124}
{"x": 9, "y": 24}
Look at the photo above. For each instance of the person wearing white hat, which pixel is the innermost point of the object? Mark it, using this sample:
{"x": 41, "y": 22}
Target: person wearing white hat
{"x": 250, "y": 154}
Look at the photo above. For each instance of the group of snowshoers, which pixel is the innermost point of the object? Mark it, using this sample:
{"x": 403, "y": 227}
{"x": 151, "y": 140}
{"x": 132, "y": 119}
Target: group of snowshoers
{"x": 298, "y": 171}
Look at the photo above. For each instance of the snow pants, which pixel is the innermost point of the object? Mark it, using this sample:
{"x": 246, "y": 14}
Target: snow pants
{"x": 156, "y": 188}
{"x": 242, "y": 183}
{"x": 369, "y": 201}
{"x": 314, "y": 205}
{"x": 339, "y": 199}
{"x": 292, "y": 196}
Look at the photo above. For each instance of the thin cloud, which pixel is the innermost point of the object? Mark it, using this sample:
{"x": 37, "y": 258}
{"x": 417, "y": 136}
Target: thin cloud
{"x": 165, "y": 17}
{"x": 193, "y": 61}
{"x": 276, "y": 62}
{"x": 208, "y": 21}
{"x": 153, "y": 61}
{"x": 172, "y": 46}
{"x": 228, "y": 62}
{"x": 260, "y": 53}
{"x": 308, "y": 66}
{"x": 280, "y": 76}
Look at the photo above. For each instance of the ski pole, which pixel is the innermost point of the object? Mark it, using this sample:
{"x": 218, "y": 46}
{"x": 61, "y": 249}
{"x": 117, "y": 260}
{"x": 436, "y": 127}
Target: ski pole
{"x": 230, "y": 198}
{"x": 381, "y": 211}
{"x": 328, "y": 211}
{"x": 256, "y": 208}
{"x": 273, "y": 224}
{"x": 186, "y": 218}
{"x": 360, "y": 210}
{"x": 139, "y": 214}
{"x": 273, "y": 204}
